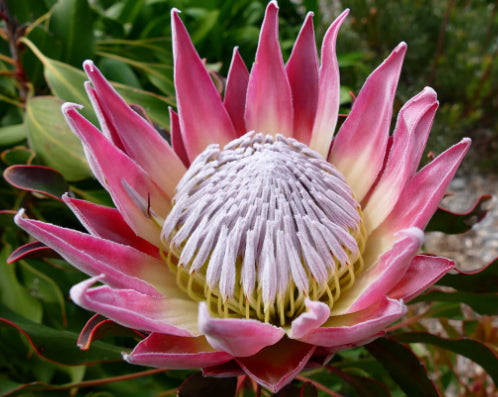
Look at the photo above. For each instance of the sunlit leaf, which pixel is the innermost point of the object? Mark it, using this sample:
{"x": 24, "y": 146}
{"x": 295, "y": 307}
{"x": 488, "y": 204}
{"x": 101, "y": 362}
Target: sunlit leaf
{"x": 67, "y": 82}
{"x": 12, "y": 134}
{"x": 403, "y": 367}
{"x": 51, "y": 138}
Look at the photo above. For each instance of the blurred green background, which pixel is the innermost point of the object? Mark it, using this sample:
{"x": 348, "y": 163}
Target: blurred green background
{"x": 452, "y": 46}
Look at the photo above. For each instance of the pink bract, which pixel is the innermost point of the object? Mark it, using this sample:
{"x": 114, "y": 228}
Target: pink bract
{"x": 360, "y": 250}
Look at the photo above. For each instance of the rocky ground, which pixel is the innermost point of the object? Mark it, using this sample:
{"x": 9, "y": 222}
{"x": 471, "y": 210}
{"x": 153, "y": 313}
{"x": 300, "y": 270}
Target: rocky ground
{"x": 479, "y": 246}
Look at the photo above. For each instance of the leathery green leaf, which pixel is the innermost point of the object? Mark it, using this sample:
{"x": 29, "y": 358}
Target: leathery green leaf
{"x": 53, "y": 141}
{"x": 58, "y": 345}
{"x": 67, "y": 82}
{"x": 404, "y": 367}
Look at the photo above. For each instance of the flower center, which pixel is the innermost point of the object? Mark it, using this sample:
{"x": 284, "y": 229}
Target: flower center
{"x": 262, "y": 224}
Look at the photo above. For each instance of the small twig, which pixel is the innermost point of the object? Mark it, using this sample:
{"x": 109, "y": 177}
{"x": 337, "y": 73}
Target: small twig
{"x": 99, "y": 382}
{"x": 13, "y": 32}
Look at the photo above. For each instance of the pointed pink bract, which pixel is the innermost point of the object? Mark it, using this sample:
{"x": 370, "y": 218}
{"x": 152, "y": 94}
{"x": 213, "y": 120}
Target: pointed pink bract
{"x": 302, "y": 70}
{"x": 203, "y": 118}
{"x": 235, "y": 92}
{"x": 269, "y": 99}
{"x": 328, "y": 91}
{"x": 359, "y": 148}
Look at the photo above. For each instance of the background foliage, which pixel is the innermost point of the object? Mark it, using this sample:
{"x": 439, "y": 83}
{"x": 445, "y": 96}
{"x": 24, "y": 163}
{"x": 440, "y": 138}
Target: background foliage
{"x": 452, "y": 46}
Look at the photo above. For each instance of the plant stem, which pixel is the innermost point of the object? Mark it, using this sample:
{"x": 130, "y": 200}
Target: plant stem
{"x": 319, "y": 386}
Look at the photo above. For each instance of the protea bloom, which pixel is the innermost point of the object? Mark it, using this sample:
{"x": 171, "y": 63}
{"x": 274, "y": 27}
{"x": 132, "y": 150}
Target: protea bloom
{"x": 257, "y": 242}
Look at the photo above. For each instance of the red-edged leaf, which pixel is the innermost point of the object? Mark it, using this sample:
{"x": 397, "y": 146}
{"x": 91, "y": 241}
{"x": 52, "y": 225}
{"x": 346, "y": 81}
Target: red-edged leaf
{"x": 197, "y": 385}
{"x": 365, "y": 387}
{"x": 36, "y": 178}
{"x": 481, "y": 281}
{"x": 58, "y": 346}
{"x": 404, "y": 367}
{"x": 485, "y": 304}
{"x": 470, "y": 348}
{"x": 454, "y": 223}
{"x": 34, "y": 249}
{"x": 100, "y": 327}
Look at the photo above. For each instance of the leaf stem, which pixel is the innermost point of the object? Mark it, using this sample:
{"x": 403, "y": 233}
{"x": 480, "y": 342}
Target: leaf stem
{"x": 319, "y": 386}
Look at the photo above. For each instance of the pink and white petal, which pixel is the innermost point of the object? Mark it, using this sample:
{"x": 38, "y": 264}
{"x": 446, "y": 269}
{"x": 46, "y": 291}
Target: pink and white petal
{"x": 123, "y": 266}
{"x": 228, "y": 369}
{"x": 422, "y": 194}
{"x": 108, "y": 164}
{"x": 360, "y": 146}
{"x": 302, "y": 71}
{"x": 108, "y": 223}
{"x": 136, "y": 310}
{"x": 175, "y": 352}
{"x": 409, "y": 138}
{"x": 277, "y": 365}
{"x": 377, "y": 280}
{"x": 423, "y": 272}
{"x": 327, "y": 110}
{"x": 239, "y": 337}
{"x": 269, "y": 98}
{"x": 197, "y": 95}
{"x": 235, "y": 92}
{"x": 315, "y": 315}
{"x": 354, "y": 327}
{"x": 177, "y": 138}
{"x": 139, "y": 139}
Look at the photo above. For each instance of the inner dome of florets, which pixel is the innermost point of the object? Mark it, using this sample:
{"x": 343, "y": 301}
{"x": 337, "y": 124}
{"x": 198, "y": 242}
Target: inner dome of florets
{"x": 258, "y": 226}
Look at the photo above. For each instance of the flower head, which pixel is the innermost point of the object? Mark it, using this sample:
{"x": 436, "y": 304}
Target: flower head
{"x": 257, "y": 242}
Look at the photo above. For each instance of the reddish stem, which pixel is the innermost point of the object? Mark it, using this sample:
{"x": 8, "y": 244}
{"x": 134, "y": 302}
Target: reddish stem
{"x": 319, "y": 386}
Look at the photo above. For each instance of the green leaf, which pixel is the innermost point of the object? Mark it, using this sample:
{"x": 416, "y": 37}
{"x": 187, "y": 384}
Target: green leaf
{"x": 57, "y": 345}
{"x": 159, "y": 75}
{"x": 67, "y": 82}
{"x": 454, "y": 223}
{"x": 12, "y": 134}
{"x": 403, "y": 367}
{"x": 35, "y": 178}
{"x": 51, "y": 138}
{"x": 364, "y": 387}
{"x": 480, "y": 281}
{"x": 13, "y": 295}
{"x": 485, "y": 304}
{"x": 470, "y": 348}
{"x": 71, "y": 23}
{"x": 18, "y": 155}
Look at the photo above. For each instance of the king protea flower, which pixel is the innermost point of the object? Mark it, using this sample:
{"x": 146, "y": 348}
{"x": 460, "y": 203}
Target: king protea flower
{"x": 257, "y": 242}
